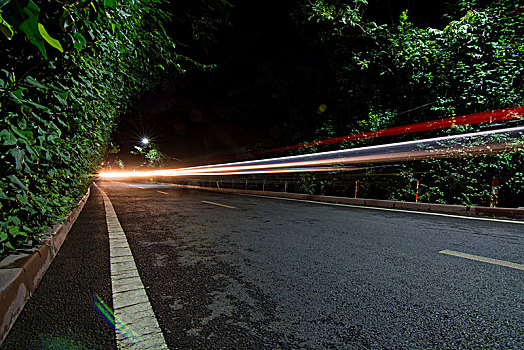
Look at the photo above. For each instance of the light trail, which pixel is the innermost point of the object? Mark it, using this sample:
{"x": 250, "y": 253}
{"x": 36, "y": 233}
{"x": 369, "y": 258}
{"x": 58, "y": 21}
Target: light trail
{"x": 219, "y": 171}
{"x": 276, "y": 170}
{"x": 469, "y": 119}
{"x": 470, "y": 144}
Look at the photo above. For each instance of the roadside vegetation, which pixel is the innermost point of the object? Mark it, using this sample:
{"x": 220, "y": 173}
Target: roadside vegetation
{"x": 398, "y": 71}
{"x": 69, "y": 70}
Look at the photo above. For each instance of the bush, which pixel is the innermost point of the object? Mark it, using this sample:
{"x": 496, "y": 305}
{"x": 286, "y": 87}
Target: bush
{"x": 70, "y": 69}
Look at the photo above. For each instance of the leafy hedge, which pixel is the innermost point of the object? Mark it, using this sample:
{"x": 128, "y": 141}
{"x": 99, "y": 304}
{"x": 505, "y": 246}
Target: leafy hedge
{"x": 398, "y": 73}
{"x": 69, "y": 69}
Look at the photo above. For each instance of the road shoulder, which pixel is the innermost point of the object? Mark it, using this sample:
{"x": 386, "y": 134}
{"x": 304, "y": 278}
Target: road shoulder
{"x": 61, "y": 312}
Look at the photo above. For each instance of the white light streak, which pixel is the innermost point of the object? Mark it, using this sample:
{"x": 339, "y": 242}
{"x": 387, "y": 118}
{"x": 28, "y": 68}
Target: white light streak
{"x": 470, "y": 144}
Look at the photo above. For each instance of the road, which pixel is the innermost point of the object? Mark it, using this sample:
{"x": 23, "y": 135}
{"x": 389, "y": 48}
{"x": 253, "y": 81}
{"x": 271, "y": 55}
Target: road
{"x": 230, "y": 271}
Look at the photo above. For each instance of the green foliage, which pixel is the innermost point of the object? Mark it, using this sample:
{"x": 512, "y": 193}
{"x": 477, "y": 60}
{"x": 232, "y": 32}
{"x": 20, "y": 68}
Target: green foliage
{"x": 153, "y": 157}
{"x": 59, "y": 106}
{"x": 306, "y": 183}
{"x": 23, "y": 15}
{"x": 398, "y": 73}
{"x": 473, "y": 64}
{"x": 53, "y": 42}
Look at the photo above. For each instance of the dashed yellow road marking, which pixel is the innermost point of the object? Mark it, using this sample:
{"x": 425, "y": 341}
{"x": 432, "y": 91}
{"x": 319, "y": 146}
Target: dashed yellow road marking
{"x": 162, "y": 192}
{"x": 220, "y": 205}
{"x": 483, "y": 259}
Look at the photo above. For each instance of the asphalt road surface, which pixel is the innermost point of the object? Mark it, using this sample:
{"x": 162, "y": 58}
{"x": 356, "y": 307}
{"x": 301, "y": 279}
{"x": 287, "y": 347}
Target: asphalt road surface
{"x": 229, "y": 271}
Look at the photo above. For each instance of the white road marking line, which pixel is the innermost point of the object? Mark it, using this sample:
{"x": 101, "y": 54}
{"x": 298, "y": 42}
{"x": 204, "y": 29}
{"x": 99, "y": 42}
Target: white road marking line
{"x": 162, "y": 192}
{"x": 220, "y": 205}
{"x": 141, "y": 187}
{"x": 388, "y": 209}
{"x": 130, "y": 301}
{"x": 483, "y": 259}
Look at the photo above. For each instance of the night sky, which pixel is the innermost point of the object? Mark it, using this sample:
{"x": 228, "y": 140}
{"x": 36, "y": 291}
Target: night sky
{"x": 271, "y": 77}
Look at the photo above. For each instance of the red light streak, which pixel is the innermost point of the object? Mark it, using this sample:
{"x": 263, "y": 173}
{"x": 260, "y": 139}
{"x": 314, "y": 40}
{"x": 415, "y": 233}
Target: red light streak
{"x": 469, "y": 119}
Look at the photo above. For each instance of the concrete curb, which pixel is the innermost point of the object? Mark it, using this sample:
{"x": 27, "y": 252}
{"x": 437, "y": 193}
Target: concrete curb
{"x": 20, "y": 273}
{"x": 511, "y": 213}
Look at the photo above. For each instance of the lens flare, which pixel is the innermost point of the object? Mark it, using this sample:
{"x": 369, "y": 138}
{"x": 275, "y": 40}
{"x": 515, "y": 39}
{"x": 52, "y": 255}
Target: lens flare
{"x": 117, "y": 324}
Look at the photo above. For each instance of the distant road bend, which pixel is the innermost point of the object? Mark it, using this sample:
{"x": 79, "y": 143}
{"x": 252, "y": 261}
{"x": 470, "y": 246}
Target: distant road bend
{"x": 243, "y": 272}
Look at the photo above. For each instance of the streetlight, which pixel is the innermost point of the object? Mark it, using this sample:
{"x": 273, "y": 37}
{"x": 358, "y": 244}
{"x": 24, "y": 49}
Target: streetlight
{"x": 145, "y": 141}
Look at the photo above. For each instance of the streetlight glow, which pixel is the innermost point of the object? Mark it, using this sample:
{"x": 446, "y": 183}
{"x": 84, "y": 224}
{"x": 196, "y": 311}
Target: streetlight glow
{"x": 145, "y": 141}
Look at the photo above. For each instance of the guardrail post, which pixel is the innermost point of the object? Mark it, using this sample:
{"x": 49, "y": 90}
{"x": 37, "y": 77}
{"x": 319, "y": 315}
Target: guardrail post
{"x": 285, "y": 186}
{"x": 494, "y": 201}
{"x": 246, "y": 184}
{"x": 356, "y": 189}
{"x": 416, "y": 195}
